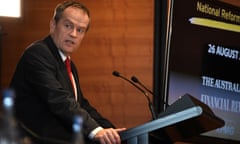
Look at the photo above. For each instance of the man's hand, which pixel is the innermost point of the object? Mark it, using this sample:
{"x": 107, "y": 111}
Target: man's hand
{"x": 109, "y": 136}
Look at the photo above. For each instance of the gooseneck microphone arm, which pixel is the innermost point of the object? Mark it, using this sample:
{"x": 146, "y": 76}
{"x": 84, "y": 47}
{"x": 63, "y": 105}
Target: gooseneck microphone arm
{"x": 150, "y": 105}
{"x": 117, "y": 74}
{"x": 134, "y": 79}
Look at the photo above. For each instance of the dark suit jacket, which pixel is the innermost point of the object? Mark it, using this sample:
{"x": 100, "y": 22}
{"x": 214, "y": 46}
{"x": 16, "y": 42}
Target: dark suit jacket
{"x": 45, "y": 101}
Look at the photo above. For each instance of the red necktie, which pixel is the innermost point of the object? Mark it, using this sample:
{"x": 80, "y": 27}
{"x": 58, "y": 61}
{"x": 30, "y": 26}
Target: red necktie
{"x": 69, "y": 70}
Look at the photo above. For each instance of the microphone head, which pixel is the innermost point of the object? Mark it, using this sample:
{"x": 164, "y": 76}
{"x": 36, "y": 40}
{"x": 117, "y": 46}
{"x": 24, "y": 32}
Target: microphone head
{"x": 116, "y": 73}
{"x": 134, "y": 79}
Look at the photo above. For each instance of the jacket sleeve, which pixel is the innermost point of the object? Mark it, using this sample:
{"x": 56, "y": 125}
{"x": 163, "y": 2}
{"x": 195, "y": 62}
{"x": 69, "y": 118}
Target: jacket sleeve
{"x": 105, "y": 123}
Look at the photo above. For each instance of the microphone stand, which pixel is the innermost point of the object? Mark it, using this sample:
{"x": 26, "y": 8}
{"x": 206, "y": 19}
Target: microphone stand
{"x": 135, "y": 79}
{"x": 150, "y": 105}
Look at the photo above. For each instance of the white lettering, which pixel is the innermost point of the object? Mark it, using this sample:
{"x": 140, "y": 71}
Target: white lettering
{"x": 226, "y": 52}
{"x": 216, "y": 102}
{"x": 235, "y": 106}
{"x": 220, "y": 103}
{"x": 220, "y": 84}
{"x": 223, "y": 51}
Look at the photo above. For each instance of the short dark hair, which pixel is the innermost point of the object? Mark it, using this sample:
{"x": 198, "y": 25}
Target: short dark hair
{"x": 71, "y": 3}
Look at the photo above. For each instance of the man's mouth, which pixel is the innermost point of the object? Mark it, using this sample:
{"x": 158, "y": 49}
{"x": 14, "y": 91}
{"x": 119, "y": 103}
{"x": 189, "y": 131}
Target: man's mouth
{"x": 70, "y": 42}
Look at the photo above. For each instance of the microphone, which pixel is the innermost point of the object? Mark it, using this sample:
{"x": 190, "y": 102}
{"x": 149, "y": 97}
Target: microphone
{"x": 135, "y": 79}
{"x": 150, "y": 105}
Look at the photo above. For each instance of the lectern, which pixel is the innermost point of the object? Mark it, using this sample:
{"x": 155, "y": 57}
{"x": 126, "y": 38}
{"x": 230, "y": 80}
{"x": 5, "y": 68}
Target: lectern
{"x": 185, "y": 118}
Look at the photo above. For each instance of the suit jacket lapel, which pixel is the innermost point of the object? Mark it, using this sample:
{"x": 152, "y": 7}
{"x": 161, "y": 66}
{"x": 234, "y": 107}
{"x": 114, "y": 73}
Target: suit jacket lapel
{"x": 48, "y": 40}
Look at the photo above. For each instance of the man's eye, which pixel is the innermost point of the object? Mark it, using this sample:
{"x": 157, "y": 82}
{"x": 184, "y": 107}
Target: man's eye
{"x": 68, "y": 26}
{"x": 81, "y": 30}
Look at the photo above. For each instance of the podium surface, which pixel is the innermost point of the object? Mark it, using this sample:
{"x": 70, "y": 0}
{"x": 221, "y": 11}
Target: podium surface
{"x": 185, "y": 118}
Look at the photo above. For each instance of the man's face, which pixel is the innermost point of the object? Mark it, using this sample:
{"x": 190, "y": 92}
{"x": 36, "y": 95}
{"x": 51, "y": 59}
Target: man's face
{"x": 68, "y": 33}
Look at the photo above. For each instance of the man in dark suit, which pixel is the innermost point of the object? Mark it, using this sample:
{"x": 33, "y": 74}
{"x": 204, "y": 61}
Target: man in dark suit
{"x": 47, "y": 96}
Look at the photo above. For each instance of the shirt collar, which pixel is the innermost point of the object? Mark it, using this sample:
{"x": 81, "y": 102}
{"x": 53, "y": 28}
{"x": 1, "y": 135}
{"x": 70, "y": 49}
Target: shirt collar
{"x": 62, "y": 55}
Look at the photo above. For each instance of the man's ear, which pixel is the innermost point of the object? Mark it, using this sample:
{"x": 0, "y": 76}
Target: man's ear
{"x": 52, "y": 25}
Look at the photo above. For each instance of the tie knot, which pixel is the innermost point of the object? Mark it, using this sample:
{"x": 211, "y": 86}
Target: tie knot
{"x": 68, "y": 65}
{"x": 67, "y": 61}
